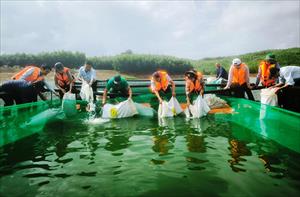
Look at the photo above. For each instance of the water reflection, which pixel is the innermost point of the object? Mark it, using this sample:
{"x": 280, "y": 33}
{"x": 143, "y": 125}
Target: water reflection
{"x": 164, "y": 136}
{"x": 238, "y": 149}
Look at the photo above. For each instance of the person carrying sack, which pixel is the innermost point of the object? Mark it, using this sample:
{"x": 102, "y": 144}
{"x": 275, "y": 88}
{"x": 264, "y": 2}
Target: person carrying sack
{"x": 64, "y": 80}
{"x": 118, "y": 87}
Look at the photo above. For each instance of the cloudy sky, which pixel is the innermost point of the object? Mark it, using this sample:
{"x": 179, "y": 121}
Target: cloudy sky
{"x": 188, "y": 29}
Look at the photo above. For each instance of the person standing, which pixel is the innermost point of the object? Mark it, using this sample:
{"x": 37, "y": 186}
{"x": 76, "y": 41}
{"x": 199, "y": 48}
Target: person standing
{"x": 87, "y": 75}
{"x": 238, "y": 79}
{"x": 263, "y": 75}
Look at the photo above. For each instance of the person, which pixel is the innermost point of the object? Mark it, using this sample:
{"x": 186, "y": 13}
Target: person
{"x": 194, "y": 85}
{"x": 263, "y": 75}
{"x": 288, "y": 76}
{"x": 21, "y": 91}
{"x": 118, "y": 86}
{"x": 221, "y": 72}
{"x": 63, "y": 79}
{"x": 287, "y": 89}
{"x": 34, "y": 74}
{"x": 87, "y": 75}
{"x": 238, "y": 79}
{"x": 160, "y": 85}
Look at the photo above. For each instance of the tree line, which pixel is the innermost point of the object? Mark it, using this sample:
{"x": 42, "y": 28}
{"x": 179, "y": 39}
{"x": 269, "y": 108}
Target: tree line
{"x": 131, "y": 63}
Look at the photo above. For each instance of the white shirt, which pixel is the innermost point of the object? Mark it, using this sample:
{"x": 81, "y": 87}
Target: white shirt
{"x": 87, "y": 76}
{"x": 287, "y": 74}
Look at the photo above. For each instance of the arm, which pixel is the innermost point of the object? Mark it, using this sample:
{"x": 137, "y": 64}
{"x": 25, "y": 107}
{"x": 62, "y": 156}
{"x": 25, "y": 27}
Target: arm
{"x": 104, "y": 96}
{"x": 56, "y": 84}
{"x": 188, "y": 101}
{"x": 229, "y": 78}
{"x": 93, "y": 77}
{"x": 129, "y": 92}
{"x": 71, "y": 79}
{"x": 247, "y": 77}
{"x": 173, "y": 88}
{"x": 258, "y": 77}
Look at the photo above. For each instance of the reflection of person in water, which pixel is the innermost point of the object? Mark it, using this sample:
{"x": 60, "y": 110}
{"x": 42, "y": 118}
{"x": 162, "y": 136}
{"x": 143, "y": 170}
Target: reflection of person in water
{"x": 237, "y": 150}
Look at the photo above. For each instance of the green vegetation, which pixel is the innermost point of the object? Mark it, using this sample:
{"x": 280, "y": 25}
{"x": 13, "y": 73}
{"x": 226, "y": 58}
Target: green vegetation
{"x": 131, "y": 63}
{"x": 285, "y": 57}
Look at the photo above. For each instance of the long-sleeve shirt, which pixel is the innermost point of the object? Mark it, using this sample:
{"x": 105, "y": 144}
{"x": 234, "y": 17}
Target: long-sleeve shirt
{"x": 87, "y": 76}
{"x": 29, "y": 72}
{"x": 230, "y": 76}
{"x": 287, "y": 74}
{"x": 221, "y": 73}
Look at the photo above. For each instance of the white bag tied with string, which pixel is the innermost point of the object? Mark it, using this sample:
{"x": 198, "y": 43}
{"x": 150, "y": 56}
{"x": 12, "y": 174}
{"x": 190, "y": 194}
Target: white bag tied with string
{"x": 122, "y": 110}
{"x": 169, "y": 109}
{"x": 86, "y": 92}
{"x": 269, "y": 97}
{"x": 69, "y": 104}
{"x": 214, "y": 102}
{"x": 198, "y": 109}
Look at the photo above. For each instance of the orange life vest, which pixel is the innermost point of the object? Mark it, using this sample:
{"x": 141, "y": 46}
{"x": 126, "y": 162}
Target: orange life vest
{"x": 239, "y": 75}
{"x": 164, "y": 82}
{"x": 197, "y": 86}
{"x": 62, "y": 78}
{"x": 35, "y": 75}
{"x": 265, "y": 73}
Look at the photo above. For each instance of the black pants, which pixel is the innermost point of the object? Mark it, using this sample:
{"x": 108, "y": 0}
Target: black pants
{"x": 239, "y": 91}
{"x": 289, "y": 98}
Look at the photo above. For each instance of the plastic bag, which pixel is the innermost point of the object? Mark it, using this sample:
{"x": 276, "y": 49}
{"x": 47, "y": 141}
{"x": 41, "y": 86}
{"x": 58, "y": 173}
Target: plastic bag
{"x": 214, "y": 102}
{"x": 122, "y": 110}
{"x": 169, "y": 109}
{"x": 69, "y": 104}
{"x": 86, "y": 92}
{"x": 198, "y": 109}
{"x": 143, "y": 110}
{"x": 269, "y": 97}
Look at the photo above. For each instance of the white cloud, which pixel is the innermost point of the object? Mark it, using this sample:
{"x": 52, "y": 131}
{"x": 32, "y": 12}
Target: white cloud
{"x": 191, "y": 29}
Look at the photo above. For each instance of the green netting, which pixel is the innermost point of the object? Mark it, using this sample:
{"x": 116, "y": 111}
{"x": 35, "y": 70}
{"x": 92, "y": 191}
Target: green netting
{"x": 277, "y": 124}
{"x": 274, "y": 123}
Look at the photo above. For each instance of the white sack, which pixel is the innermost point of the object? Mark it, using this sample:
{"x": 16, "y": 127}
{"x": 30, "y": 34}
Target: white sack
{"x": 214, "y": 102}
{"x": 69, "y": 104}
{"x": 198, "y": 109}
{"x": 122, "y": 110}
{"x": 143, "y": 110}
{"x": 169, "y": 109}
{"x": 86, "y": 92}
{"x": 269, "y": 97}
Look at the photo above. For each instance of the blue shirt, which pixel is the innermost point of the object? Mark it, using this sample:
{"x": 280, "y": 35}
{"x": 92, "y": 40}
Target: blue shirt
{"x": 221, "y": 73}
{"x": 87, "y": 76}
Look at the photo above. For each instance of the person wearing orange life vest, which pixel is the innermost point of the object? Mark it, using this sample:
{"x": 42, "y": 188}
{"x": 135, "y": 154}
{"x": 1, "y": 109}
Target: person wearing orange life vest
{"x": 263, "y": 75}
{"x": 238, "y": 79}
{"x": 194, "y": 85}
{"x": 63, "y": 79}
{"x": 33, "y": 74}
{"x": 160, "y": 85}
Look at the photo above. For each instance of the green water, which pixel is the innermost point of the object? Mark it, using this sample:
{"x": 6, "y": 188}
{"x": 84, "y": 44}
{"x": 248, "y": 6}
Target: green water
{"x": 148, "y": 157}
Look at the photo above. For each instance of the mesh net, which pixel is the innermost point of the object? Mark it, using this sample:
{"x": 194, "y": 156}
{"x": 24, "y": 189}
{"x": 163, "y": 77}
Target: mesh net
{"x": 280, "y": 125}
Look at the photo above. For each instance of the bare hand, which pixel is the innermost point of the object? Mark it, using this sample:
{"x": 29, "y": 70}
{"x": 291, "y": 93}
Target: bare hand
{"x": 173, "y": 94}
{"x": 160, "y": 101}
